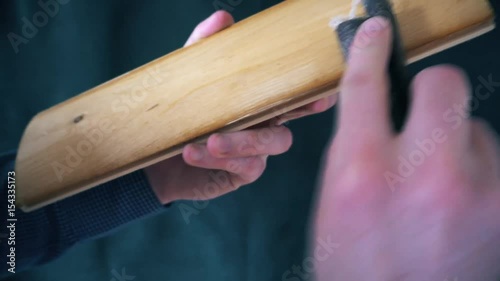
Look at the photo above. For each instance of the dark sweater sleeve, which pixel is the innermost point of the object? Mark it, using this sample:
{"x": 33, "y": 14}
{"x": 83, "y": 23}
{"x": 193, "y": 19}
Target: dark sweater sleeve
{"x": 44, "y": 234}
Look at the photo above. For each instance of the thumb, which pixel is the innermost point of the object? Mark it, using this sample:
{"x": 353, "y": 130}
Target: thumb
{"x": 213, "y": 24}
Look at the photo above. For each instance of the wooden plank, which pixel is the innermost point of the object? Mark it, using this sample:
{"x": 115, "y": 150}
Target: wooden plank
{"x": 270, "y": 63}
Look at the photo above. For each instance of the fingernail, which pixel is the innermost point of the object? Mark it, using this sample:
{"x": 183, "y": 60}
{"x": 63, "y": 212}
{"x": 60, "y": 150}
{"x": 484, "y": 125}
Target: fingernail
{"x": 375, "y": 25}
{"x": 196, "y": 153}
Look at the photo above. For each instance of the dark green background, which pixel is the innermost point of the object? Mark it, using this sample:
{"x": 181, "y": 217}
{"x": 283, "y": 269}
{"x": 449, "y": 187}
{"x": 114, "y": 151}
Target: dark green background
{"x": 256, "y": 233}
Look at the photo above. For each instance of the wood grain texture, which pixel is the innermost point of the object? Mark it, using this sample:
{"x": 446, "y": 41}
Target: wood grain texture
{"x": 270, "y": 63}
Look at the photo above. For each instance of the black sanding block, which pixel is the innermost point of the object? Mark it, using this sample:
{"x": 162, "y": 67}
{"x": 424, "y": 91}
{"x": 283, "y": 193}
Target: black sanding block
{"x": 399, "y": 96}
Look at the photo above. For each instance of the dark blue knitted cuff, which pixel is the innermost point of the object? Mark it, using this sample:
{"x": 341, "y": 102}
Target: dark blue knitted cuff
{"x": 102, "y": 209}
{"x": 46, "y": 233}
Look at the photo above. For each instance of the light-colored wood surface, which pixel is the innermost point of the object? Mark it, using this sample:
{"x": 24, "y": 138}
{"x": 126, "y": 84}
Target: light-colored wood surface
{"x": 268, "y": 64}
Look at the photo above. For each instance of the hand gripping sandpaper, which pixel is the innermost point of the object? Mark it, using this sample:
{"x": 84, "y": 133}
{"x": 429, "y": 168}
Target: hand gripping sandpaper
{"x": 399, "y": 97}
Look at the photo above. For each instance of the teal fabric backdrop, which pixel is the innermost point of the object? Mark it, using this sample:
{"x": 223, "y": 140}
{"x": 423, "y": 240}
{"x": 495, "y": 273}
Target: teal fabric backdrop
{"x": 257, "y": 233}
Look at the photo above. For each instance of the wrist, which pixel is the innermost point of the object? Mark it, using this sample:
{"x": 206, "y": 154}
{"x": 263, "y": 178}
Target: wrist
{"x": 158, "y": 184}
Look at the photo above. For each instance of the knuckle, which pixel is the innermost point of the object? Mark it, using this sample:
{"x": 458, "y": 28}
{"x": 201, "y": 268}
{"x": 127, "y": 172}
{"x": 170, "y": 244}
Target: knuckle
{"x": 362, "y": 174}
{"x": 365, "y": 153}
{"x": 357, "y": 79}
{"x": 365, "y": 171}
{"x": 448, "y": 176}
{"x": 362, "y": 80}
{"x": 447, "y": 191}
{"x": 258, "y": 137}
{"x": 361, "y": 187}
{"x": 213, "y": 144}
{"x": 255, "y": 143}
{"x": 235, "y": 183}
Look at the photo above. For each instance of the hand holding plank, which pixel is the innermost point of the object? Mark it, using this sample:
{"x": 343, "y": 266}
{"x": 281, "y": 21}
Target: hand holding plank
{"x": 227, "y": 161}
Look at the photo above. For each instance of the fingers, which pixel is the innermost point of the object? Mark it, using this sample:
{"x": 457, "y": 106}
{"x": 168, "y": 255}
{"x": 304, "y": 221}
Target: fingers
{"x": 316, "y": 107}
{"x": 364, "y": 106}
{"x": 197, "y": 155}
{"x": 198, "y": 183}
{"x": 440, "y": 103}
{"x": 215, "y": 23}
{"x": 243, "y": 170}
{"x": 242, "y": 154}
{"x": 262, "y": 141}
